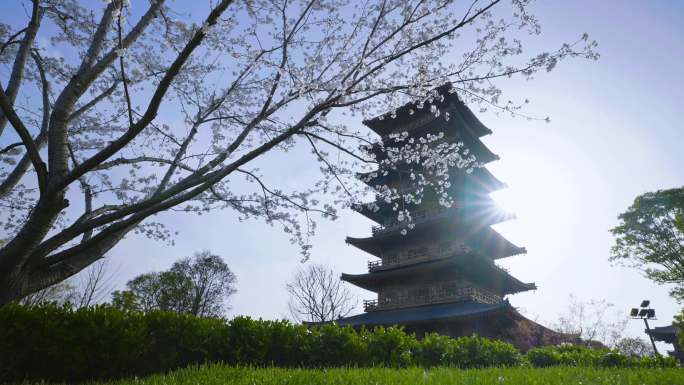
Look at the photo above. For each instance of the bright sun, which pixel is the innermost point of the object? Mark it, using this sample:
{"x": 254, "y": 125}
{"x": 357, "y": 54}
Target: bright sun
{"x": 543, "y": 196}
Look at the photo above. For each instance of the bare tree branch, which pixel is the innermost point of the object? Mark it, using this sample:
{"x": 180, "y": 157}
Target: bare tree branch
{"x": 318, "y": 295}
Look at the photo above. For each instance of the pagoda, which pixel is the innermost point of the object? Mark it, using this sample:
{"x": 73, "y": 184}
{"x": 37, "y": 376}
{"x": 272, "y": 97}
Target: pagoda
{"x": 441, "y": 275}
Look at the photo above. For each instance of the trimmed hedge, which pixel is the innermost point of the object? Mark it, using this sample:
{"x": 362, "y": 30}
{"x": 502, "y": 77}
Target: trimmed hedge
{"x": 60, "y": 344}
{"x": 679, "y": 326}
{"x": 576, "y": 355}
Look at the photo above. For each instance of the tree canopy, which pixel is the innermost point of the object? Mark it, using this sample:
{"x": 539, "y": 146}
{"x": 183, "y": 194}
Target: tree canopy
{"x": 650, "y": 236}
{"x": 199, "y": 286}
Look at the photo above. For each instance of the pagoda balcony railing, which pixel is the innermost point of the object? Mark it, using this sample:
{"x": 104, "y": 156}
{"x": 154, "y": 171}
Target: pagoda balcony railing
{"x": 429, "y": 253}
{"x": 434, "y": 296}
{"x": 418, "y": 216}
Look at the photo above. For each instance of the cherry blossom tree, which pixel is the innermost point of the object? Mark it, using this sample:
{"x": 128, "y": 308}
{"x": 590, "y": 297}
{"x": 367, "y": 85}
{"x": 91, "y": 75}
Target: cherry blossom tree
{"x": 594, "y": 321}
{"x": 112, "y": 114}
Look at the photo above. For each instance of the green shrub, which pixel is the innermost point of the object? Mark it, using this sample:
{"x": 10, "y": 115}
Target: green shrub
{"x": 679, "y": 327}
{"x": 542, "y": 358}
{"x": 333, "y": 345}
{"x": 247, "y": 341}
{"x": 391, "y": 347}
{"x": 61, "y": 344}
{"x": 654, "y": 362}
{"x": 434, "y": 350}
{"x": 477, "y": 352}
{"x": 174, "y": 340}
{"x": 289, "y": 345}
{"x": 612, "y": 359}
{"x": 51, "y": 341}
{"x": 577, "y": 355}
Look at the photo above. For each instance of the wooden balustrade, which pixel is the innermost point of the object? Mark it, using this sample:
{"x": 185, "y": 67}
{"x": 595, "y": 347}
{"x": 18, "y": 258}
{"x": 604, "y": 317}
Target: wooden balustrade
{"x": 433, "y": 295}
{"x": 417, "y": 216}
{"x": 436, "y": 252}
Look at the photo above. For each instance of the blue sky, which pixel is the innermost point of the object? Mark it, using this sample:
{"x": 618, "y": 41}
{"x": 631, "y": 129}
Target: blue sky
{"x": 615, "y": 133}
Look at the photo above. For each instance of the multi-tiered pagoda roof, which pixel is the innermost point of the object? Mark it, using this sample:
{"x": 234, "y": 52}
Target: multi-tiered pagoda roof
{"x": 441, "y": 274}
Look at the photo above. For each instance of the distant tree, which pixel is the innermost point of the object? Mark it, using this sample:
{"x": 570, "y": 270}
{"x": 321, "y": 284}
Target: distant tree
{"x": 594, "y": 321}
{"x": 145, "y": 289}
{"x": 634, "y": 347}
{"x": 211, "y": 282}
{"x": 125, "y": 300}
{"x": 200, "y": 285}
{"x": 168, "y": 290}
{"x": 133, "y": 108}
{"x": 317, "y": 294}
{"x": 679, "y": 327}
{"x": 650, "y": 237}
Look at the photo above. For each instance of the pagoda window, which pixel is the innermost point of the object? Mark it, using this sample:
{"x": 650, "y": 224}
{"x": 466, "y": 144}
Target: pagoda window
{"x": 445, "y": 247}
{"x": 420, "y": 293}
{"x": 387, "y": 297}
{"x": 417, "y": 251}
{"x": 390, "y": 259}
{"x": 455, "y": 289}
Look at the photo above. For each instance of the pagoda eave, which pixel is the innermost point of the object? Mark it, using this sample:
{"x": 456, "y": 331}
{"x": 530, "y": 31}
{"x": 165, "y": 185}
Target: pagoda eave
{"x": 485, "y": 180}
{"x": 481, "y": 152}
{"x": 384, "y": 124}
{"x": 431, "y": 313}
{"x": 480, "y": 178}
{"x": 471, "y": 267}
{"x": 481, "y": 206}
{"x": 377, "y": 216}
{"x": 486, "y": 240}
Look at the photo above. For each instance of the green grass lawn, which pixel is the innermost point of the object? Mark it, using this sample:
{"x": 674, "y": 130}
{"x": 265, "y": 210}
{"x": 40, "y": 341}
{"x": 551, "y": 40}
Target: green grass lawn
{"x": 218, "y": 374}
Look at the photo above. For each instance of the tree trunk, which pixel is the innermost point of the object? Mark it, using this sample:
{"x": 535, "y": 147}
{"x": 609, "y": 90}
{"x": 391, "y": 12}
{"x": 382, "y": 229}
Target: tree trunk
{"x": 10, "y": 287}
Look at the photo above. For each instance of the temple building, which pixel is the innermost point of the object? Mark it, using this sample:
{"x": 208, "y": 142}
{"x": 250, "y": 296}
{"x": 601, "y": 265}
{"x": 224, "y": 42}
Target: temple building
{"x": 441, "y": 275}
{"x": 667, "y": 334}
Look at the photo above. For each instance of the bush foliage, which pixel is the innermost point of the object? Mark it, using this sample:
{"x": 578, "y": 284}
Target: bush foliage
{"x": 61, "y": 344}
{"x": 577, "y": 355}
{"x": 679, "y": 326}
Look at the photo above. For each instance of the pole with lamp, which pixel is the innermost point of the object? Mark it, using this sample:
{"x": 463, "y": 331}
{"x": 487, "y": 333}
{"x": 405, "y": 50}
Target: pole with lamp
{"x": 645, "y": 313}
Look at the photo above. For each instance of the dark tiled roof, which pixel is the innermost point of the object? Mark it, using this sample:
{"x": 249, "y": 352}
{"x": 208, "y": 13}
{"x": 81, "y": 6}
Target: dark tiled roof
{"x": 424, "y": 313}
{"x": 477, "y": 269}
{"x": 485, "y": 240}
{"x": 383, "y": 124}
{"x": 663, "y": 333}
